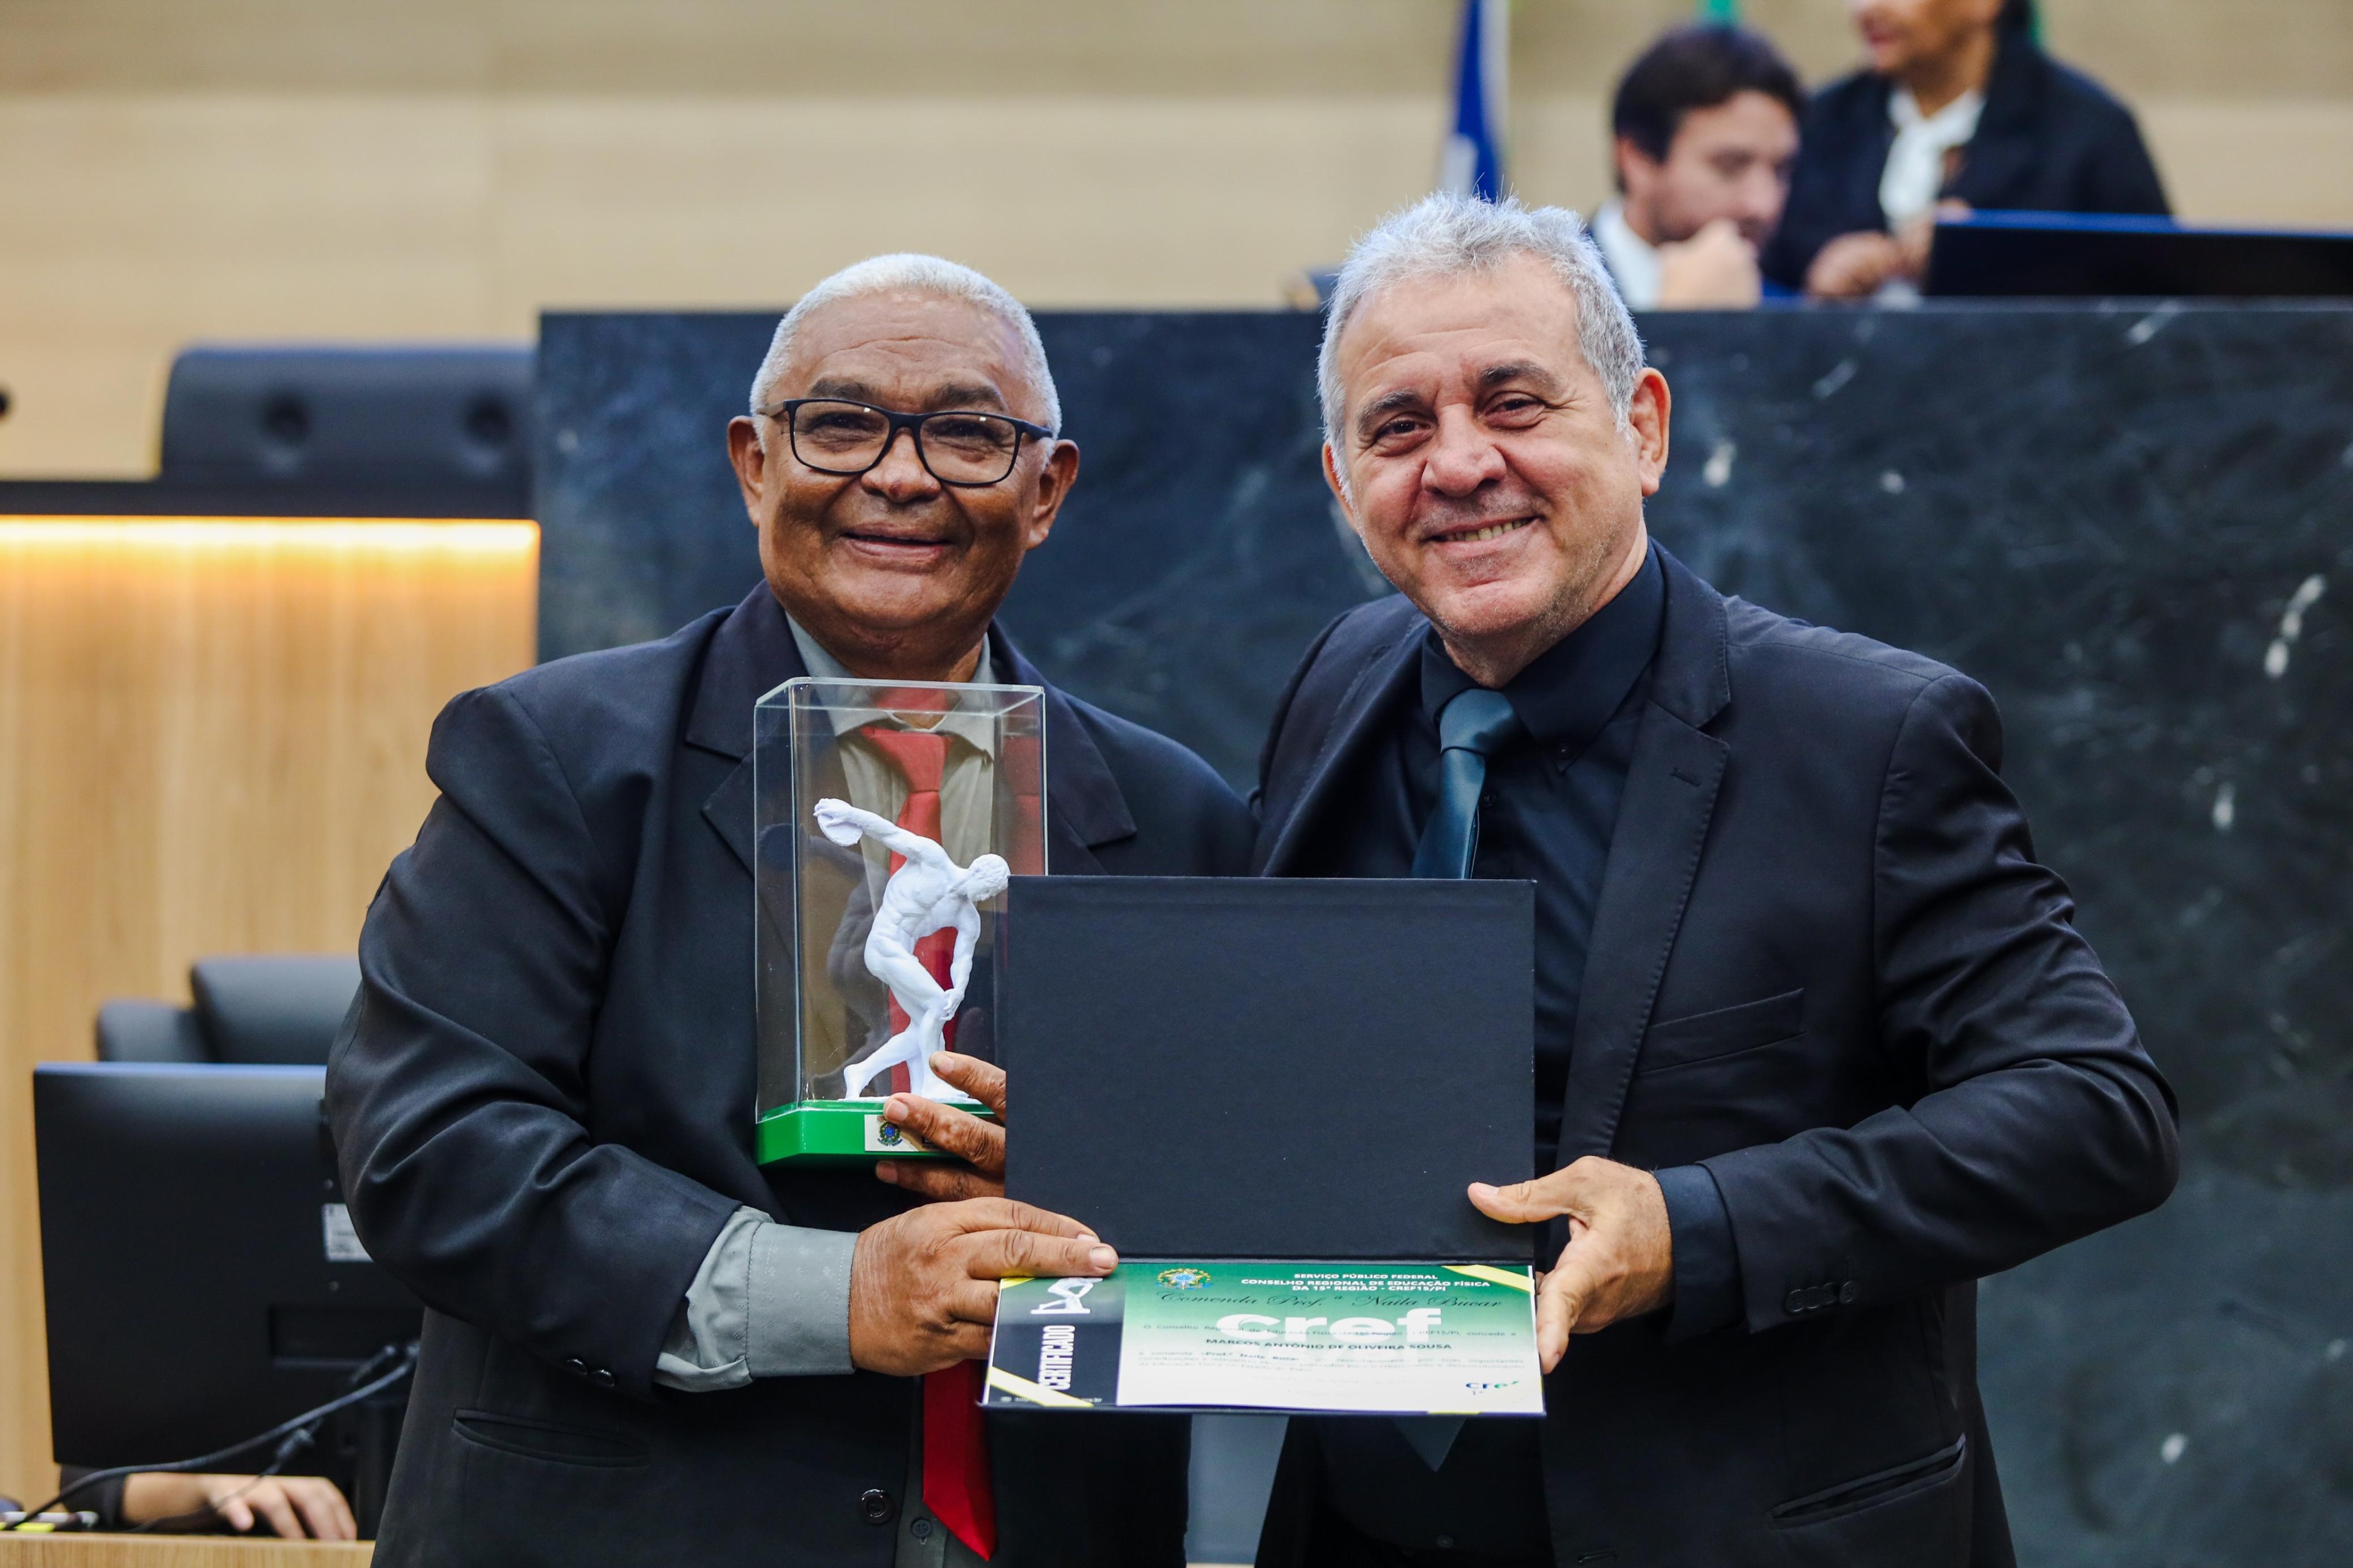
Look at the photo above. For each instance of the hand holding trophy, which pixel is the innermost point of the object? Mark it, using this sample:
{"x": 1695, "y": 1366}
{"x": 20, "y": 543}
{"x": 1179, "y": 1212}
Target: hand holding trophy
{"x": 887, "y": 820}
{"x": 928, "y": 892}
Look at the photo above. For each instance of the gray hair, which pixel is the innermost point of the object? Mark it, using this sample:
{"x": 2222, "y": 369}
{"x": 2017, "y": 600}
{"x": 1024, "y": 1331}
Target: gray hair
{"x": 921, "y": 274}
{"x": 1445, "y": 236}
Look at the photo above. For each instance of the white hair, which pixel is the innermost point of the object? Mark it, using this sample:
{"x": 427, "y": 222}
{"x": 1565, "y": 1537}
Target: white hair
{"x": 1447, "y": 235}
{"x": 921, "y": 274}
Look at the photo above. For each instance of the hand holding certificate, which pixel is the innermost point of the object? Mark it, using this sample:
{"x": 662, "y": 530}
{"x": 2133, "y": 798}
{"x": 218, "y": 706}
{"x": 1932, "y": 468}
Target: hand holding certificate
{"x": 1316, "y": 1251}
{"x": 1373, "y": 1339}
{"x": 1619, "y": 1261}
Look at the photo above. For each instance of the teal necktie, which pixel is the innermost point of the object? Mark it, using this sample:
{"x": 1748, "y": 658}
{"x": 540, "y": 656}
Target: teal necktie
{"x": 1470, "y": 727}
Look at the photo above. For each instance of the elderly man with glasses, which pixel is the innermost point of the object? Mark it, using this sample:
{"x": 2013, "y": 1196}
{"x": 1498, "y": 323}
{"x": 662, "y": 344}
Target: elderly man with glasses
{"x": 639, "y": 1342}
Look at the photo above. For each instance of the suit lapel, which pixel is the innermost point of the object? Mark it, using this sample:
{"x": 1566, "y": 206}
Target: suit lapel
{"x": 1654, "y": 852}
{"x": 1084, "y": 804}
{"x": 1999, "y": 161}
{"x": 751, "y": 655}
{"x": 1355, "y": 721}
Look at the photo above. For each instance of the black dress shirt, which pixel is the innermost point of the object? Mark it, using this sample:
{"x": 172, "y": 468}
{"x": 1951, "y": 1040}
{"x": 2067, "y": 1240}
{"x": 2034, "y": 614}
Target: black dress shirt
{"x": 1547, "y": 816}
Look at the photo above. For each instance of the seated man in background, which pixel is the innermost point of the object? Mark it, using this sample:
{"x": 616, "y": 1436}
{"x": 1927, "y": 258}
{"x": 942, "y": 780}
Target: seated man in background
{"x": 639, "y": 1345}
{"x": 1958, "y": 108}
{"x": 1706, "y": 129}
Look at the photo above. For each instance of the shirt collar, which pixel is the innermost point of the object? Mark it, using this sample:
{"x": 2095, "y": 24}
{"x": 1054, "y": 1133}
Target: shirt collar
{"x": 971, "y": 728}
{"x": 1565, "y": 698}
{"x": 1952, "y": 125}
{"x": 1633, "y": 260}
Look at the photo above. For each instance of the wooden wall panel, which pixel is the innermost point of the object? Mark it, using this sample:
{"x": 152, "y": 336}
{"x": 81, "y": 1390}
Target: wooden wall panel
{"x": 212, "y": 739}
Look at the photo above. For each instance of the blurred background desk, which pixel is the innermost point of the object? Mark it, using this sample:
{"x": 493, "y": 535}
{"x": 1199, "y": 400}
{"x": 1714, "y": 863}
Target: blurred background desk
{"x": 177, "y": 1552}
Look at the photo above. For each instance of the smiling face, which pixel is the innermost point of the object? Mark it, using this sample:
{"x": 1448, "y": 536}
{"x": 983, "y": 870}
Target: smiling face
{"x": 895, "y": 573}
{"x": 1485, "y": 470}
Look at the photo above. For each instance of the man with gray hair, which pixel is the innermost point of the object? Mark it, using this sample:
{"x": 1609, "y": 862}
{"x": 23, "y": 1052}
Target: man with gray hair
{"x": 1817, "y": 1044}
{"x": 640, "y": 1344}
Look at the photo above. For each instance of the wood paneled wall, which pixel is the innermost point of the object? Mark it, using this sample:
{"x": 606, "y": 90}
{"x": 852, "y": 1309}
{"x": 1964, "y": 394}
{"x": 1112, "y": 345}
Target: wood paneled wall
{"x": 212, "y": 739}
{"x": 448, "y": 168}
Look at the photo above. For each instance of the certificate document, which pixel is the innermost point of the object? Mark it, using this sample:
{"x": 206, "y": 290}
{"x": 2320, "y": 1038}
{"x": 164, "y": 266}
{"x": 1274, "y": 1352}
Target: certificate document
{"x": 1371, "y": 1337}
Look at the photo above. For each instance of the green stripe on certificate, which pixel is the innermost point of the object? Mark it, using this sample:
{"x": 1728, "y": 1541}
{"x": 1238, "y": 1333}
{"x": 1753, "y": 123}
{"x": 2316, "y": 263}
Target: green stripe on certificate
{"x": 1249, "y": 1334}
{"x": 1518, "y": 1278}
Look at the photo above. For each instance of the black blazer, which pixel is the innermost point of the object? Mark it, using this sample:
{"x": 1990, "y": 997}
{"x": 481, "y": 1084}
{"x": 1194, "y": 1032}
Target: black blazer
{"x": 542, "y": 1102}
{"x": 1825, "y": 964}
{"x": 2049, "y": 140}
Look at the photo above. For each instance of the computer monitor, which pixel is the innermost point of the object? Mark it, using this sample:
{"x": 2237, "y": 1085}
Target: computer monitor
{"x": 2100, "y": 254}
{"x": 203, "y": 1280}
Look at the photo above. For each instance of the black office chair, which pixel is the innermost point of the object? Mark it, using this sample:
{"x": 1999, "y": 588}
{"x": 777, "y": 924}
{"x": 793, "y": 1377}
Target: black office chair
{"x": 252, "y": 1009}
{"x": 443, "y": 430}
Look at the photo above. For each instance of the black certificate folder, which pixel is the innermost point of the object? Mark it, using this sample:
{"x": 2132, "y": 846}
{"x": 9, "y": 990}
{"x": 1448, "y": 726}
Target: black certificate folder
{"x": 1229, "y": 1067}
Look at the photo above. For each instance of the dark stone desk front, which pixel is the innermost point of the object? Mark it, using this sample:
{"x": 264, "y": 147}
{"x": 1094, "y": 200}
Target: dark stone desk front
{"x": 2133, "y": 522}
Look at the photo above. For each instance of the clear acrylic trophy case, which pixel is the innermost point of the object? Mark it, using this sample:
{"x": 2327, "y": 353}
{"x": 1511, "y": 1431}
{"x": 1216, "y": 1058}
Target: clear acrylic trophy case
{"x": 860, "y": 946}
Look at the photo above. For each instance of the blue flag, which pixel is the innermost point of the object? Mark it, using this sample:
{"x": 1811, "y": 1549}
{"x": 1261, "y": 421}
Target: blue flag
{"x": 1473, "y": 163}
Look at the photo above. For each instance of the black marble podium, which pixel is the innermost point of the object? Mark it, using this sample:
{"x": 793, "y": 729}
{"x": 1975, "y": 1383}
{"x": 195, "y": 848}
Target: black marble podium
{"x": 2134, "y": 522}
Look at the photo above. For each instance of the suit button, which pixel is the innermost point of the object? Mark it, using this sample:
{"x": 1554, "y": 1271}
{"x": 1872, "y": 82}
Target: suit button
{"x": 601, "y": 1378}
{"x": 1849, "y": 1291}
{"x": 1794, "y": 1303}
{"x": 576, "y": 1367}
{"x": 875, "y": 1506}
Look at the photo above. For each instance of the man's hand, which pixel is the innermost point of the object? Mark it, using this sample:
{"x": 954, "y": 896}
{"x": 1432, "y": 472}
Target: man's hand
{"x": 951, "y": 1131}
{"x": 1714, "y": 270}
{"x": 923, "y": 1285}
{"x": 1853, "y": 266}
{"x": 1621, "y": 1259}
{"x": 294, "y": 1506}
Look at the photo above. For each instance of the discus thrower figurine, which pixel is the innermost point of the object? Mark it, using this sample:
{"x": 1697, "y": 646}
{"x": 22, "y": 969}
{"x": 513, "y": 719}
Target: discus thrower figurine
{"x": 929, "y": 892}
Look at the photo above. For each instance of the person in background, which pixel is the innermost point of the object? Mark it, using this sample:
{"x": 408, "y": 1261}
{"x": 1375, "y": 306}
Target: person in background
{"x": 1705, "y": 127}
{"x": 294, "y": 1507}
{"x": 1958, "y": 108}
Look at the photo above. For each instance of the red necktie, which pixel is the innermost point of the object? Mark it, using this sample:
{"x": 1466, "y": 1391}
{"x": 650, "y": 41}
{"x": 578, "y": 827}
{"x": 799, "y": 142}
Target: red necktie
{"x": 922, "y": 758}
{"x": 956, "y": 1485}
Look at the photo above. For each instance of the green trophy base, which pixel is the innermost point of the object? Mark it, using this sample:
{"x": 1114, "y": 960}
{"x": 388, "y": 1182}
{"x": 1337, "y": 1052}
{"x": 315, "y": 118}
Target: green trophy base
{"x": 835, "y": 1132}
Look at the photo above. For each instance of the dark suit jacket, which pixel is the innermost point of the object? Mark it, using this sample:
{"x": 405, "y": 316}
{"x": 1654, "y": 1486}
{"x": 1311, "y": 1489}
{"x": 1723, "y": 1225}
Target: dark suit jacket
{"x": 2050, "y": 140}
{"x": 1824, "y": 964}
{"x": 544, "y": 1106}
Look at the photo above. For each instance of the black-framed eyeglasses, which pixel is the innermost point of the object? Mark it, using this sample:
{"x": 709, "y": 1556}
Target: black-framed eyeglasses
{"x": 955, "y": 445}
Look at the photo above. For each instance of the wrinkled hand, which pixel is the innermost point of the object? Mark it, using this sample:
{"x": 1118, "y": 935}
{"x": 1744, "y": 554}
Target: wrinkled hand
{"x": 1619, "y": 1261}
{"x": 1853, "y": 266}
{"x": 294, "y": 1506}
{"x": 923, "y": 1285}
{"x": 981, "y": 1144}
{"x": 1714, "y": 270}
